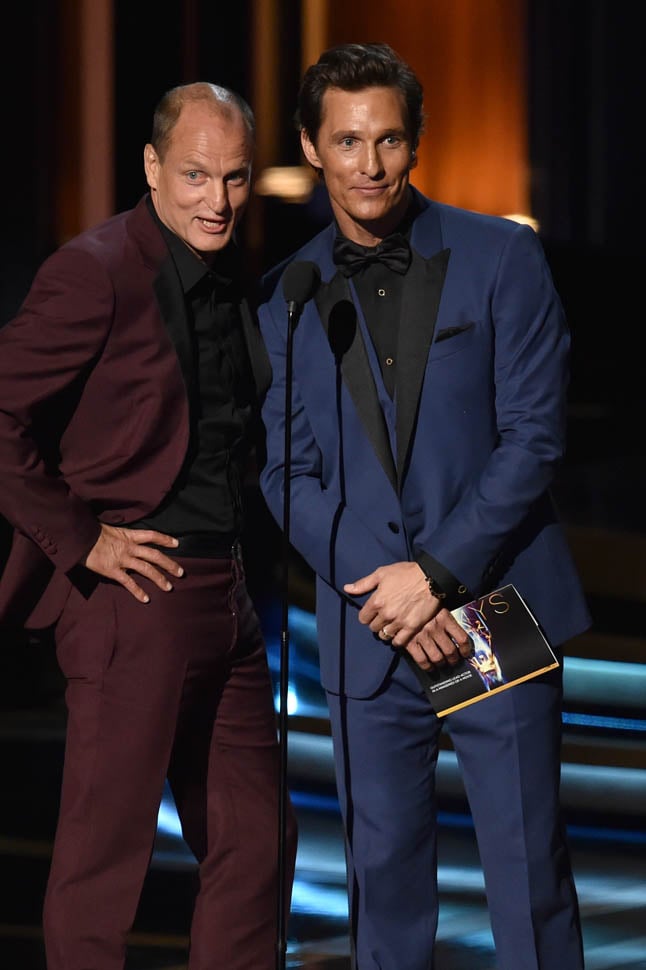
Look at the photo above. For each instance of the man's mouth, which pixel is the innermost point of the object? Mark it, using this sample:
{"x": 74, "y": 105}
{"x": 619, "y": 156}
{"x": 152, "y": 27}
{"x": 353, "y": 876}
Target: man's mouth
{"x": 371, "y": 189}
{"x": 213, "y": 225}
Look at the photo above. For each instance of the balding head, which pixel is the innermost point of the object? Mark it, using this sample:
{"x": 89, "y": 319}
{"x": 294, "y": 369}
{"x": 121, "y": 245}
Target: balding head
{"x": 223, "y": 101}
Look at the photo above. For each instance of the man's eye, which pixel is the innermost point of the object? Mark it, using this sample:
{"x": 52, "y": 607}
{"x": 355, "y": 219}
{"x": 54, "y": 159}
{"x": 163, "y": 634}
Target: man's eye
{"x": 192, "y": 176}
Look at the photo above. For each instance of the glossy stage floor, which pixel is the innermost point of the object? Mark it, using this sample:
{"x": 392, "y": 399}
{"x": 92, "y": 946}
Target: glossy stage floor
{"x": 603, "y": 786}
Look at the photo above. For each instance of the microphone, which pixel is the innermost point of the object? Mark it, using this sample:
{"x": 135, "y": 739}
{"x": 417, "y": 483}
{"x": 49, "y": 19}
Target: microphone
{"x": 342, "y": 327}
{"x": 299, "y": 283}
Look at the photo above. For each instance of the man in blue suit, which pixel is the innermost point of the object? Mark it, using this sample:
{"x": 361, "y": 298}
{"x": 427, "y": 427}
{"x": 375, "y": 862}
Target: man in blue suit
{"x": 429, "y": 392}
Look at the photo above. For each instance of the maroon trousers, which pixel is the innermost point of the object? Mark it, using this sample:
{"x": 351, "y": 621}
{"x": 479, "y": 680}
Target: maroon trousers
{"x": 176, "y": 688}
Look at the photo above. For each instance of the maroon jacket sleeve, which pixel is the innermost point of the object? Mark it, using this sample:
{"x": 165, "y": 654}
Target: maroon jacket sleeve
{"x": 44, "y": 353}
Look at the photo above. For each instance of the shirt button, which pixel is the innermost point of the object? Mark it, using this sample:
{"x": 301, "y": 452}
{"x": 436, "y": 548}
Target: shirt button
{"x": 381, "y": 291}
{"x": 389, "y": 361}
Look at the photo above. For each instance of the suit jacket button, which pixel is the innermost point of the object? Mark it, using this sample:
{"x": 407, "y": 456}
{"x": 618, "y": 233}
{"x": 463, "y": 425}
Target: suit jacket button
{"x": 394, "y": 527}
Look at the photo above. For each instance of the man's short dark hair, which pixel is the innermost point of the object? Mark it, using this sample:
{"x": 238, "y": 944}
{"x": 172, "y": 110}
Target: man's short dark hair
{"x": 352, "y": 67}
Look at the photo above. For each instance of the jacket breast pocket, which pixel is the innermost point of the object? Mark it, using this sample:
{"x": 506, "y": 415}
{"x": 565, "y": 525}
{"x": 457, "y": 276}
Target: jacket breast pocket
{"x": 452, "y": 340}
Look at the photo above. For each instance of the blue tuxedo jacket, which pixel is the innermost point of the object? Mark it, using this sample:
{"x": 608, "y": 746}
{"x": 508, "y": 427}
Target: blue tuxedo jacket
{"x": 460, "y": 477}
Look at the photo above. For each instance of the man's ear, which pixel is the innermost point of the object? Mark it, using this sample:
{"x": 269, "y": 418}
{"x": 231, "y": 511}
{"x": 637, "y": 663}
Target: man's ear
{"x": 151, "y": 165}
{"x": 413, "y": 159}
{"x": 309, "y": 150}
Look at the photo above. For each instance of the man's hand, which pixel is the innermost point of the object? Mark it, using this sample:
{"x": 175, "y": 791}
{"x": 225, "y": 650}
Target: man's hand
{"x": 442, "y": 640}
{"x": 117, "y": 553}
{"x": 401, "y": 602}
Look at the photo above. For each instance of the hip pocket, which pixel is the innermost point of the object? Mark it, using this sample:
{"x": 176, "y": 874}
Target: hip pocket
{"x": 85, "y": 634}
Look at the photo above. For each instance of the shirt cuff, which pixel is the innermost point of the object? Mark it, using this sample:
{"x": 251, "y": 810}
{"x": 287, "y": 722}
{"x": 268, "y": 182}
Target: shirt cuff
{"x": 442, "y": 581}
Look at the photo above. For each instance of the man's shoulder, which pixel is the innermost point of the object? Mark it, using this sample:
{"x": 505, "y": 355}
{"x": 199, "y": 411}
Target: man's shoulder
{"x": 429, "y": 208}
{"x": 478, "y": 237}
{"x": 460, "y": 220}
{"x": 100, "y": 234}
{"x": 87, "y": 259}
{"x": 113, "y": 253}
{"x": 110, "y": 240}
{"x": 312, "y": 251}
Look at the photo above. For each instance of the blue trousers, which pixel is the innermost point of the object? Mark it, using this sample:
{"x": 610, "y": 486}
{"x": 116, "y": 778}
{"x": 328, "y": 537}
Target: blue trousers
{"x": 508, "y": 749}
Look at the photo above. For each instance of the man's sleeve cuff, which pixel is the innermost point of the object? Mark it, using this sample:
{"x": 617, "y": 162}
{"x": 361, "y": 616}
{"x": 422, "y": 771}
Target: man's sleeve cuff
{"x": 441, "y": 579}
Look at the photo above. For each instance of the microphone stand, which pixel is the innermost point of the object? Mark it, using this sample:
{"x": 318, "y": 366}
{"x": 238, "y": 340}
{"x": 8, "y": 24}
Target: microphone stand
{"x": 292, "y": 318}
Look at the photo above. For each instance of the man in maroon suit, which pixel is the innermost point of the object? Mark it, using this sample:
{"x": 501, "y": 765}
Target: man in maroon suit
{"x": 129, "y": 383}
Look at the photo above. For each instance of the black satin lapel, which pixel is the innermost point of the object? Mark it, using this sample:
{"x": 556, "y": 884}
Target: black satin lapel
{"x": 171, "y": 304}
{"x": 421, "y": 301}
{"x": 258, "y": 356}
{"x": 339, "y": 318}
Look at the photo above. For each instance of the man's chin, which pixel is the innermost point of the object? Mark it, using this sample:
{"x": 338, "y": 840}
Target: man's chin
{"x": 211, "y": 244}
{"x": 381, "y": 212}
{"x": 379, "y": 222}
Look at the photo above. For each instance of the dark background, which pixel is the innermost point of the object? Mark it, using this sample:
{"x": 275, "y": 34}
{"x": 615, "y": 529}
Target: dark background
{"x": 585, "y": 98}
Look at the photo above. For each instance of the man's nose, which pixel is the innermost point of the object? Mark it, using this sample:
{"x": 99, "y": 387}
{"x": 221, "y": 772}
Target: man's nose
{"x": 371, "y": 162}
{"x": 217, "y": 197}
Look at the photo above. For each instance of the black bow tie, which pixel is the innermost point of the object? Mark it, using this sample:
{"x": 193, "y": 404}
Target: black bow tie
{"x": 393, "y": 252}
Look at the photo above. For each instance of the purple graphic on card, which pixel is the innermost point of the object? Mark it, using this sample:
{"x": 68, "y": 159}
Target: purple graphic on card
{"x": 483, "y": 659}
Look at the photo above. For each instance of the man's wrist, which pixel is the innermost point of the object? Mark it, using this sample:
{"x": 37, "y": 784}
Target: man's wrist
{"x": 441, "y": 581}
{"x": 434, "y": 587}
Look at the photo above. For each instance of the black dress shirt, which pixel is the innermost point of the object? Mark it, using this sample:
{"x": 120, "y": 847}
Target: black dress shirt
{"x": 380, "y": 292}
{"x": 206, "y": 497}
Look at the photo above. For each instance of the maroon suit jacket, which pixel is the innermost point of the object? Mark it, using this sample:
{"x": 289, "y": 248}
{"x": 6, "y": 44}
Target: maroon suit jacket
{"x": 96, "y": 374}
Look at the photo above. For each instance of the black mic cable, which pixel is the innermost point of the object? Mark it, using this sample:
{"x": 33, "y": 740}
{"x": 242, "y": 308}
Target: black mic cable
{"x": 299, "y": 284}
